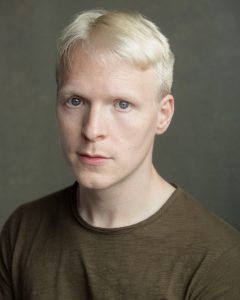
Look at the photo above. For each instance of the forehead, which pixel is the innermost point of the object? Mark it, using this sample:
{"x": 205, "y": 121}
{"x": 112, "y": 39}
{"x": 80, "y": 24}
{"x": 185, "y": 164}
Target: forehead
{"x": 103, "y": 70}
{"x": 102, "y": 63}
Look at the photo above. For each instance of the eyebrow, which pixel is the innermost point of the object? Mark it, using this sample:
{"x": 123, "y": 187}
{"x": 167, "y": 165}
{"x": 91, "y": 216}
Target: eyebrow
{"x": 67, "y": 92}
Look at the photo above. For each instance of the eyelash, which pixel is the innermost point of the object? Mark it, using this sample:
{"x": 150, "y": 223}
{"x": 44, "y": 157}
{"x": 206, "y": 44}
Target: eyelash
{"x": 70, "y": 99}
{"x": 122, "y": 109}
{"x": 116, "y": 104}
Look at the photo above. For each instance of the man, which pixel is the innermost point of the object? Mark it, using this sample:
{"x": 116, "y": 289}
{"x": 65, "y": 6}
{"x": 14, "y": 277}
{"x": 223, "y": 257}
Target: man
{"x": 121, "y": 231}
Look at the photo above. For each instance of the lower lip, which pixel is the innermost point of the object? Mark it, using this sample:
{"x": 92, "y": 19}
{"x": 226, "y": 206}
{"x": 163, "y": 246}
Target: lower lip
{"x": 94, "y": 161}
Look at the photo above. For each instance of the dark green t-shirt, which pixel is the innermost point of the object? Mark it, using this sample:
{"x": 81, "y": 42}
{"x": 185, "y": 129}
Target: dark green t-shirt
{"x": 47, "y": 252}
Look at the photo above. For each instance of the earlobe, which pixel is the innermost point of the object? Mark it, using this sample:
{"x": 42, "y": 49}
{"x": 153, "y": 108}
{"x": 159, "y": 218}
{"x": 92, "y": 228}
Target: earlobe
{"x": 165, "y": 113}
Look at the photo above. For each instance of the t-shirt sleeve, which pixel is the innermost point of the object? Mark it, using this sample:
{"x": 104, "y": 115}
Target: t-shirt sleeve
{"x": 221, "y": 280}
{"x": 6, "y": 290}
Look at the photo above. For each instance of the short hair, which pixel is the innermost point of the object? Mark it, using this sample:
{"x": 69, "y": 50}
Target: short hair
{"x": 126, "y": 35}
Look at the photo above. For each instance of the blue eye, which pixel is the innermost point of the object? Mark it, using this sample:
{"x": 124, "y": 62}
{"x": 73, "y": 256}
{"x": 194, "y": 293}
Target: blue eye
{"x": 123, "y": 105}
{"x": 74, "y": 101}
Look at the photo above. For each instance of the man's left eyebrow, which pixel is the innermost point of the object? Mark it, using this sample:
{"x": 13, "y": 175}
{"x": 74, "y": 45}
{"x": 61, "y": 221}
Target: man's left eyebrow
{"x": 127, "y": 97}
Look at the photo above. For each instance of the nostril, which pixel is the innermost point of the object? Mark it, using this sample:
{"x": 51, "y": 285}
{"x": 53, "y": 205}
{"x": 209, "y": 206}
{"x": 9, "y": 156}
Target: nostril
{"x": 92, "y": 132}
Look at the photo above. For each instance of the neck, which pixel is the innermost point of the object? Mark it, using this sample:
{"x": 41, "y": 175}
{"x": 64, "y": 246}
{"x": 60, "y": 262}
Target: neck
{"x": 126, "y": 203}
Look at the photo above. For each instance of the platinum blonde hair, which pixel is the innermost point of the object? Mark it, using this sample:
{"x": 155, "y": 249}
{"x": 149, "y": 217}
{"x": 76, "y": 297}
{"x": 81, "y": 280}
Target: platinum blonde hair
{"x": 124, "y": 35}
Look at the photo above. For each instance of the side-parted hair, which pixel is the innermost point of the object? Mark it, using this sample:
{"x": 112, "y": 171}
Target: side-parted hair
{"x": 124, "y": 35}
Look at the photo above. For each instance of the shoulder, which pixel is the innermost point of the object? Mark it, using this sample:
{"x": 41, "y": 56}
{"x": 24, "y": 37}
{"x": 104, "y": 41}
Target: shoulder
{"x": 207, "y": 247}
{"x": 31, "y": 215}
{"x": 202, "y": 221}
{"x": 195, "y": 230}
{"x": 29, "y": 226}
{"x": 213, "y": 247}
{"x": 205, "y": 236}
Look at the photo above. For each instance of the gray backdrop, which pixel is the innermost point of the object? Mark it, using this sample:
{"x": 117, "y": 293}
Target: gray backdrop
{"x": 201, "y": 150}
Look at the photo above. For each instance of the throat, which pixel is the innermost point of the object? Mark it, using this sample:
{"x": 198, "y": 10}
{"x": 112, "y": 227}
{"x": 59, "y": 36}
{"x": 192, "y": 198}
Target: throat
{"x": 120, "y": 208}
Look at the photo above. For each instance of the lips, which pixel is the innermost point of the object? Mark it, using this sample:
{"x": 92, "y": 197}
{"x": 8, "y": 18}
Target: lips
{"x": 92, "y": 155}
{"x": 93, "y": 159}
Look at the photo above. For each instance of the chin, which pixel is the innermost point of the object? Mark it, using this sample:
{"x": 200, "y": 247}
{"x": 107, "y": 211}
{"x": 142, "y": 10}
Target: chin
{"x": 93, "y": 182}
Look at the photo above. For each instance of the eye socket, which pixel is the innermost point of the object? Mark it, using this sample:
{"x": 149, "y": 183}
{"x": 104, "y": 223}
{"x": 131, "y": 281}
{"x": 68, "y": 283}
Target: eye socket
{"x": 123, "y": 105}
{"x": 74, "y": 101}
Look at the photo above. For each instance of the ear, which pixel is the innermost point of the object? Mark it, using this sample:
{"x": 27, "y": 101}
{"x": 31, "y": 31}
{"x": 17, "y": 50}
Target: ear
{"x": 165, "y": 113}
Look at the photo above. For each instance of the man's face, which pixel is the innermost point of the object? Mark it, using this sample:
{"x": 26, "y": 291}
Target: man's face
{"x": 107, "y": 116}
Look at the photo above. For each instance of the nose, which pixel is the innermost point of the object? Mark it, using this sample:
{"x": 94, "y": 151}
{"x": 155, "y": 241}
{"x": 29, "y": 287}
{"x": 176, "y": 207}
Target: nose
{"x": 93, "y": 127}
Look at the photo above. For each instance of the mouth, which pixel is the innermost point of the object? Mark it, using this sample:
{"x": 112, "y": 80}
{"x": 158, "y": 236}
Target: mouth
{"x": 93, "y": 159}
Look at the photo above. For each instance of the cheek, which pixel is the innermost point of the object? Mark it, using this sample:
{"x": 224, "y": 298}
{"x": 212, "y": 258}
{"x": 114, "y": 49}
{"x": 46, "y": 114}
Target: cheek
{"x": 68, "y": 130}
{"x": 139, "y": 134}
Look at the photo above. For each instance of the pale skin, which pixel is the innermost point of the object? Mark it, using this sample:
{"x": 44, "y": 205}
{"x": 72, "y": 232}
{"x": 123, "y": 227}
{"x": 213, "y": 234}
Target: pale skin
{"x": 108, "y": 117}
